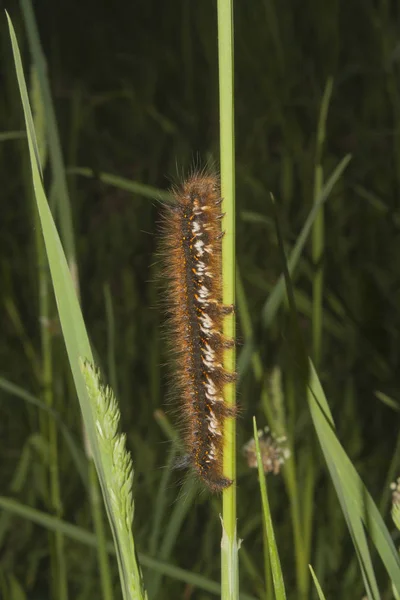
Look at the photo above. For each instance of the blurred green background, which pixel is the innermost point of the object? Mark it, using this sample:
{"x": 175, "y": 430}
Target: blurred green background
{"x": 135, "y": 92}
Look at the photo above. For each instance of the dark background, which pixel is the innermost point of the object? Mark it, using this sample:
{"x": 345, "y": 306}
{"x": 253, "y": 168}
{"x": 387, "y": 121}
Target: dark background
{"x": 135, "y": 89}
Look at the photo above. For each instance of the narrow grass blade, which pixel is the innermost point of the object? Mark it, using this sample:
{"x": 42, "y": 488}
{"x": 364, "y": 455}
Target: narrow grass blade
{"x": 393, "y": 404}
{"x": 74, "y": 330}
{"x": 357, "y": 505}
{"x": 360, "y": 542}
{"x": 12, "y": 135}
{"x": 348, "y": 482}
{"x": 77, "y": 343}
{"x": 277, "y": 576}
{"x": 141, "y": 189}
{"x": 317, "y": 585}
{"x": 276, "y": 297}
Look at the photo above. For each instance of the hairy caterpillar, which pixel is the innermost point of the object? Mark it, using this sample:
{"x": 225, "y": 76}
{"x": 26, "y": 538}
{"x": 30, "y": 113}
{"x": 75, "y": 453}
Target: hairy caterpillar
{"x": 192, "y": 253}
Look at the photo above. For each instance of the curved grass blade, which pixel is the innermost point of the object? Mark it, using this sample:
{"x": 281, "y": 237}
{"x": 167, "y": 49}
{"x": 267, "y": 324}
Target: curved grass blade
{"x": 357, "y": 504}
{"x": 321, "y": 595}
{"x": 275, "y": 298}
{"x": 348, "y": 483}
{"x": 75, "y": 336}
{"x": 277, "y": 576}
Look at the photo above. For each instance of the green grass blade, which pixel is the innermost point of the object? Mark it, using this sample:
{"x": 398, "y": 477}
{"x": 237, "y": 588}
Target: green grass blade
{"x": 321, "y": 595}
{"x": 393, "y": 404}
{"x": 75, "y": 337}
{"x": 356, "y": 502}
{"x": 121, "y": 183}
{"x": 12, "y": 135}
{"x": 277, "y": 295}
{"x": 71, "y": 319}
{"x": 33, "y": 146}
{"x": 359, "y": 538}
{"x": 348, "y": 483}
{"x": 277, "y": 576}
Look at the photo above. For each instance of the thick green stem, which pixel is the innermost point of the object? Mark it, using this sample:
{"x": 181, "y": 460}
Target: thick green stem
{"x": 229, "y": 547}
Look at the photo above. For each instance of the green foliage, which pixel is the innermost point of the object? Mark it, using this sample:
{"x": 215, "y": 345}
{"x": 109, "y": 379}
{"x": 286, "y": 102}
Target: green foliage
{"x": 124, "y": 96}
{"x": 279, "y": 586}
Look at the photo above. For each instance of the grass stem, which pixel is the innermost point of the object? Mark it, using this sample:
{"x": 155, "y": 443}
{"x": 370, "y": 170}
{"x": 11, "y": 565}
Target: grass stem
{"x": 229, "y": 558}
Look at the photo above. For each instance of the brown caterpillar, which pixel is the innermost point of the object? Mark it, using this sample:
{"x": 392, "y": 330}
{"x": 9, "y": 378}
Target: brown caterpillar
{"x": 192, "y": 253}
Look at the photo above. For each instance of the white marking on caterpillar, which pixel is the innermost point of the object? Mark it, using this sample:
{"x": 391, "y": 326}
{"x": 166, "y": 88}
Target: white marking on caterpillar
{"x": 196, "y": 228}
{"x": 213, "y": 425}
{"x": 207, "y": 323}
{"x": 199, "y": 247}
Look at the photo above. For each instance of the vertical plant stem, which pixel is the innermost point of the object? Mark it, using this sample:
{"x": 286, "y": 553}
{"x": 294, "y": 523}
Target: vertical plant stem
{"x": 318, "y": 231}
{"x": 229, "y": 546}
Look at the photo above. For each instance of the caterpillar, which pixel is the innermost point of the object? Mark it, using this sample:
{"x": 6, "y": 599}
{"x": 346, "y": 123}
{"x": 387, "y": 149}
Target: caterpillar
{"x": 192, "y": 270}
